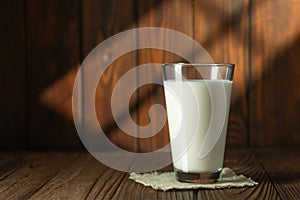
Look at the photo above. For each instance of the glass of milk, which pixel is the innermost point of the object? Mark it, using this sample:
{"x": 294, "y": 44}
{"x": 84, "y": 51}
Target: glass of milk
{"x": 197, "y": 100}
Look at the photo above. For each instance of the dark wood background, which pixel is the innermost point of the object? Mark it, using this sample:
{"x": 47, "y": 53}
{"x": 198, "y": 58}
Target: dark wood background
{"x": 42, "y": 44}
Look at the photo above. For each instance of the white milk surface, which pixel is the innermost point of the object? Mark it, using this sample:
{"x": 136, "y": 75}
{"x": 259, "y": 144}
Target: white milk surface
{"x": 189, "y": 108}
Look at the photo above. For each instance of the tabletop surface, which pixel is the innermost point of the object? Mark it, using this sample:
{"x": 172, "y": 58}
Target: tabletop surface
{"x": 77, "y": 175}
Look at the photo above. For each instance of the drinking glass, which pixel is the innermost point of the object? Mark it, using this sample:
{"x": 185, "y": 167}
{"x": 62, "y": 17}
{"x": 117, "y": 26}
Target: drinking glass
{"x": 197, "y": 100}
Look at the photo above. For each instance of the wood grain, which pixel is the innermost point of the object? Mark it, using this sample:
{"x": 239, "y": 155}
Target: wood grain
{"x": 241, "y": 161}
{"x": 12, "y": 75}
{"x": 57, "y": 175}
{"x": 165, "y": 14}
{"x": 106, "y": 185}
{"x": 283, "y": 167}
{"x": 53, "y": 50}
{"x": 43, "y": 42}
{"x": 74, "y": 181}
{"x": 76, "y": 175}
{"x": 222, "y": 28}
{"x": 34, "y": 171}
{"x": 127, "y": 189}
{"x": 9, "y": 164}
{"x": 244, "y": 161}
{"x": 101, "y": 20}
{"x": 275, "y": 92}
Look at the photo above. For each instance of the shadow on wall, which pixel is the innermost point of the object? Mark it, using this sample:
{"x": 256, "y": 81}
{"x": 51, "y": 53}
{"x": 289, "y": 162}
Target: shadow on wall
{"x": 276, "y": 76}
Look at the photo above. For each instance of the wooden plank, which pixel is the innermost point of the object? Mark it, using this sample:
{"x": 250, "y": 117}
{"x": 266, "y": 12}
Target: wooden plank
{"x": 185, "y": 194}
{"x": 9, "y": 163}
{"x": 132, "y": 190}
{"x": 12, "y": 75}
{"x": 75, "y": 181}
{"x": 222, "y": 28}
{"x": 33, "y": 172}
{"x": 56, "y": 176}
{"x": 129, "y": 189}
{"x": 106, "y": 185}
{"x": 79, "y": 176}
{"x": 275, "y": 92}
{"x": 101, "y": 20}
{"x": 283, "y": 167}
{"x": 241, "y": 161}
{"x": 121, "y": 187}
{"x": 53, "y": 51}
{"x": 244, "y": 162}
{"x": 165, "y": 14}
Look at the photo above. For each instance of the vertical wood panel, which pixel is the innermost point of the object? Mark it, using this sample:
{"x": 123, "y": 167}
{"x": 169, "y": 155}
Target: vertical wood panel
{"x": 258, "y": 116}
{"x": 166, "y": 14}
{"x": 53, "y": 50}
{"x": 275, "y": 72}
{"x": 101, "y": 20}
{"x": 12, "y": 75}
{"x": 222, "y": 27}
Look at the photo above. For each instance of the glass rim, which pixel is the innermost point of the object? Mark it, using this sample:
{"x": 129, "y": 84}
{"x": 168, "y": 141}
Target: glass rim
{"x": 200, "y": 64}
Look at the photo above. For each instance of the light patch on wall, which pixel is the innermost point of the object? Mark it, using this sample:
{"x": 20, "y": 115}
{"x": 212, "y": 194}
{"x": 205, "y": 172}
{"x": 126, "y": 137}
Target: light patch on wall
{"x": 58, "y": 96}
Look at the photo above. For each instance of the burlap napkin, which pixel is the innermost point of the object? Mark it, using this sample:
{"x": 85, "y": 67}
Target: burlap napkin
{"x": 166, "y": 181}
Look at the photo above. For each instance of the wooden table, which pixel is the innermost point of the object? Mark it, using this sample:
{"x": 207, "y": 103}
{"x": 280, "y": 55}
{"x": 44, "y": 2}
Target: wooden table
{"x": 77, "y": 175}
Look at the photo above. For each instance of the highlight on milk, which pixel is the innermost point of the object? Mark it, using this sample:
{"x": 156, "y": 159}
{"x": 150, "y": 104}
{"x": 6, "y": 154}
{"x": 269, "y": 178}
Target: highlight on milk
{"x": 197, "y": 117}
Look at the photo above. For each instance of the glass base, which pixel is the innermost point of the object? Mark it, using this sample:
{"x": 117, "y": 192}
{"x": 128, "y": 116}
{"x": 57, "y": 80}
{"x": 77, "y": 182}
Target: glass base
{"x": 202, "y": 178}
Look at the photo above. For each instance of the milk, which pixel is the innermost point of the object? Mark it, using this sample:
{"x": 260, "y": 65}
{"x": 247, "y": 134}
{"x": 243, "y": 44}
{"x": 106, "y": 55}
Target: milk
{"x": 190, "y": 107}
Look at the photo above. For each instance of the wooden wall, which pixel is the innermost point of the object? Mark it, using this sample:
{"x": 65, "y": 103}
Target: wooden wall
{"x": 42, "y": 44}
